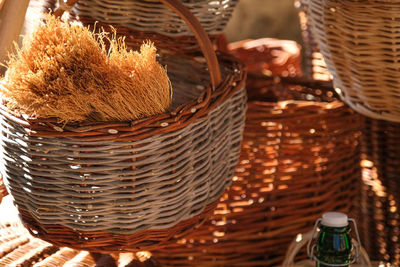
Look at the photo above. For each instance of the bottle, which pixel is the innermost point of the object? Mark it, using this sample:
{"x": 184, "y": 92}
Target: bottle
{"x": 333, "y": 247}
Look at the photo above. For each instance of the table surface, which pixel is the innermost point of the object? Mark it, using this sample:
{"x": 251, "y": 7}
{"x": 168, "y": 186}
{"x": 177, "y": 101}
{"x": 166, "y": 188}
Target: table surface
{"x": 12, "y": 245}
{"x": 10, "y": 214}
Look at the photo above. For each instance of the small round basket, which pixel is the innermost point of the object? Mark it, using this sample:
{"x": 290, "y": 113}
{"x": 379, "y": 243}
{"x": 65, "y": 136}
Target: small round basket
{"x": 131, "y": 186}
{"x": 150, "y": 19}
{"x": 358, "y": 40}
{"x": 269, "y": 56}
{"x": 300, "y": 157}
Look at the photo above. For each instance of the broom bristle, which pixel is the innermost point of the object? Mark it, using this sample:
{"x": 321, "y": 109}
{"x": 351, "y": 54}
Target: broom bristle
{"x": 65, "y": 71}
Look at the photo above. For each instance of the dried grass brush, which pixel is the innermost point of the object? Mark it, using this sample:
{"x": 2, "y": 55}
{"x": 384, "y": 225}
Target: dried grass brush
{"x": 66, "y": 71}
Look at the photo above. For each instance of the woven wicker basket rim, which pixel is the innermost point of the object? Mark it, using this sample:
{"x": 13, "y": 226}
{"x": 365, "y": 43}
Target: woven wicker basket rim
{"x": 176, "y": 119}
{"x": 298, "y": 81}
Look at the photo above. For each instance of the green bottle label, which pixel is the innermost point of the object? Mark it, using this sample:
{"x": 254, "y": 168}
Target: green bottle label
{"x": 333, "y": 246}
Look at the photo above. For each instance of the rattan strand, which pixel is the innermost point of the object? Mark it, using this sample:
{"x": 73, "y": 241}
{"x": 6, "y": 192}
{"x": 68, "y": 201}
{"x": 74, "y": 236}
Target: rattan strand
{"x": 152, "y": 15}
{"x": 300, "y": 157}
{"x": 358, "y": 40}
{"x": 3, "y": 190}
{"x": 19, "y": 248}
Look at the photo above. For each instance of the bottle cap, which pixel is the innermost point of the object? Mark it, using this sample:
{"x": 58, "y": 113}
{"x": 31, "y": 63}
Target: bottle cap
{"x": 334, "y": 219}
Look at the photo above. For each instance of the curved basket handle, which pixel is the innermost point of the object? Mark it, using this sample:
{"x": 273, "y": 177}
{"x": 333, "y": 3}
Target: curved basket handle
{"x": 296, "y": 245}
{"x": 194, "y": 25}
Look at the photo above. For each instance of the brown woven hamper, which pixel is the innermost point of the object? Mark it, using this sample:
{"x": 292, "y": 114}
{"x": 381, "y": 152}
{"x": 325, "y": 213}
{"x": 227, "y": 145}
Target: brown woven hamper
{"x": 131, "y": 186}
{"x": 300, "y": 158}
{"x": 359, "y": 42}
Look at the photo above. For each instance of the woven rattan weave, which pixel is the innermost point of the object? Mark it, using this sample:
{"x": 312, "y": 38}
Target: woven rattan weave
{"x": 131, "y": 185}
{"x": 314, "y": 64}
{"x": 300, "y": 157}
{"x": 19, "y": 248}
{"x": 152, "y": 15}
{"x": 380, "y": 202}
{"x": 359, "y": 42}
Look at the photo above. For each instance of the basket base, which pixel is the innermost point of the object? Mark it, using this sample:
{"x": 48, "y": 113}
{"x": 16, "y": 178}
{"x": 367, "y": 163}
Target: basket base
{"x": 104, "y": 242}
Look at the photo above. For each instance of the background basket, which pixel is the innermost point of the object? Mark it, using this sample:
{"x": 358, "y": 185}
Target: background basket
{"x": 378, "y": 210}
{"x": 380, "y": 200}
{"x": 142, "y": 20}
{"x": 130, "y": 186}
{"x": 300, "y": 157}
{"x": 314, "y": 64}
{"x": 269, "y": 56}
{"x": 358, "y": 41}
{"x": 19, "y": 248}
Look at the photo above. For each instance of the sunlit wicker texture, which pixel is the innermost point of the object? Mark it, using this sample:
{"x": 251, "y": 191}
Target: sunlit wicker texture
{"x": 152, "y": 15}
{"x": 358, "y": 40}
{"x": 300, "y": 157}
{"x": 380, "y": 203}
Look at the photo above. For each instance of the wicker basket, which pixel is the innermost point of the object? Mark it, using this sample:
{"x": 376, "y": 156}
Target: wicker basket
{"x": 127, "y": 186}
{"x": 314, "y": 64}
{"x": 380, "y": 202}
{"x": 269, "y": 56}
{"x": 19, "y": 248}
{"x": 358, "y": 40}
{"x": 300, "y": 158}
{"x": 150, "y": 19}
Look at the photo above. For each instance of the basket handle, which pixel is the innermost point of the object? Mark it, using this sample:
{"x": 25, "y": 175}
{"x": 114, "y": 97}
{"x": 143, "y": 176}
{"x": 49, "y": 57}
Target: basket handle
{"x": 194, "y": 25}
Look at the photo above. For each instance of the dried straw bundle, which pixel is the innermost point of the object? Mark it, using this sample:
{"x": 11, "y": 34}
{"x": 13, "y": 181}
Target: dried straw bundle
{"x": 65, "y": 71}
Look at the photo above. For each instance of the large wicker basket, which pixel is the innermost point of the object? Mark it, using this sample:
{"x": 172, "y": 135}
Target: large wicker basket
{"x": 126, "y": 186}
{"x": 140, "y": 20}
{"x": 358, "y": 40}
{"x": 300, "y": 158}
